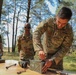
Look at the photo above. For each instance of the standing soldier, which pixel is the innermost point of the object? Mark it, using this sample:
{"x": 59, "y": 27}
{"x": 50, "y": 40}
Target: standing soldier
{"x": 25, "y": 46}
{"x": 1, "y": 47}
{"x": 58, "y": 37}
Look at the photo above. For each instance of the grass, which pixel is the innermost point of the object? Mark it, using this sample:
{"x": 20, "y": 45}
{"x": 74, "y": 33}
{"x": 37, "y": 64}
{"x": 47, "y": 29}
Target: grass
{"x": 69, "y": 60}
{"x": 9, "y": 56}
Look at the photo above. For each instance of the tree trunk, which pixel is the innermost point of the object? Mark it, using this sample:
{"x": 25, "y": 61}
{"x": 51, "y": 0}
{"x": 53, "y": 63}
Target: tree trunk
{"x": 17, "y": 26}
{"x": 8, "y": 32}
{"x": 13, "y": 37}
{"x": 1, "y": 3}
{"x": 28, "y": 10}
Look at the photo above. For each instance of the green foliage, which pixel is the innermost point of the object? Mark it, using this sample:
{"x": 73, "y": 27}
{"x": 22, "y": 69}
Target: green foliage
{"x": 70, "y": 62}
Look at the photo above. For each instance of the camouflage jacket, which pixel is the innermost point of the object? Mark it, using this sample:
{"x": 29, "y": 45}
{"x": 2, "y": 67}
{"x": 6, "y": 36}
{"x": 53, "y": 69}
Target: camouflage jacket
{"x": 25, "y": 46}
{"x": 54, "y": 41}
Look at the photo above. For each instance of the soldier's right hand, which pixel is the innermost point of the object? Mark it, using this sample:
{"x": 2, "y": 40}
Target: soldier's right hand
{"x": 46, "y": 66}
{"x": 42, "y": 55}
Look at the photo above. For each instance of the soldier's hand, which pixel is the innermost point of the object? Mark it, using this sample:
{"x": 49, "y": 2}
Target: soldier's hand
{"x": 46, "y": 66}
{"x": 42, "y": 55}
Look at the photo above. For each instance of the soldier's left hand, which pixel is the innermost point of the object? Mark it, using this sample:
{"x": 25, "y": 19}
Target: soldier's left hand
{"x": 42, "y": 55}
{"x": 46, "y": 66}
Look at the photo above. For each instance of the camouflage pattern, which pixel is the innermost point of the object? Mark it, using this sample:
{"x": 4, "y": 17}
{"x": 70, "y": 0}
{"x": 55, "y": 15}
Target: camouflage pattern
{"x": 54, "y": 41}
{"x": 1, "y": 47}
{"x": 25, "y": 47}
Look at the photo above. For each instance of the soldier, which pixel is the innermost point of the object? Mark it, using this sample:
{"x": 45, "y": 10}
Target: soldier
{"x": 56, "y": 41}
{"x": 25, "y": 46}
{"x": 1, "y": 47}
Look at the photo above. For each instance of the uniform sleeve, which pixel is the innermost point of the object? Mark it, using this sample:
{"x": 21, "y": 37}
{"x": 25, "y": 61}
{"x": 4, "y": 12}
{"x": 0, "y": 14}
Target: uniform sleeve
{"x": 19, "y": 44}
{"x": 65, "y": 47}
{"x": 41, "y": 28}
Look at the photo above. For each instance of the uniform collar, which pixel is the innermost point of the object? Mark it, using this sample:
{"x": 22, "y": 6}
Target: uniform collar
{"x": 24, "y": 35}
{"x": 54, "y": 21}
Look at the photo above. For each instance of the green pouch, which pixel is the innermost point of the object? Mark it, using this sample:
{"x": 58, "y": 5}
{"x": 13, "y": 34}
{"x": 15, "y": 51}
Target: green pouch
{"x": 36, "y": 65}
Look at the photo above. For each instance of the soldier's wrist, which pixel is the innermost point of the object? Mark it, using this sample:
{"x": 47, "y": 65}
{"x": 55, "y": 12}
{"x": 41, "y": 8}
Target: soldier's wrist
{"x": 52, "y": 60}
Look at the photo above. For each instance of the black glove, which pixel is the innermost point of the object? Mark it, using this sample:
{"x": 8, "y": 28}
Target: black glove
{"x": 24, "y": 63}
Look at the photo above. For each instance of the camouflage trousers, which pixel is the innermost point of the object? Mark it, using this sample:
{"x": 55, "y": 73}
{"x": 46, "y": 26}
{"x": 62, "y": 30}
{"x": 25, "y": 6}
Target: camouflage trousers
{"x": 1, "y": 53}
{"x": 25, "y": 56}
{"x": 24, "y": 59}
{"x": 59, "y": 66}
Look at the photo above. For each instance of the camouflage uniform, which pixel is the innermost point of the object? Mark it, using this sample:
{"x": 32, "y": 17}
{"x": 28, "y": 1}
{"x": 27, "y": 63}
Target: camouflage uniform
{"x": 55, "y": 42}
{"x": 1, "y": 47}
{"x": 25, "y": 47}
